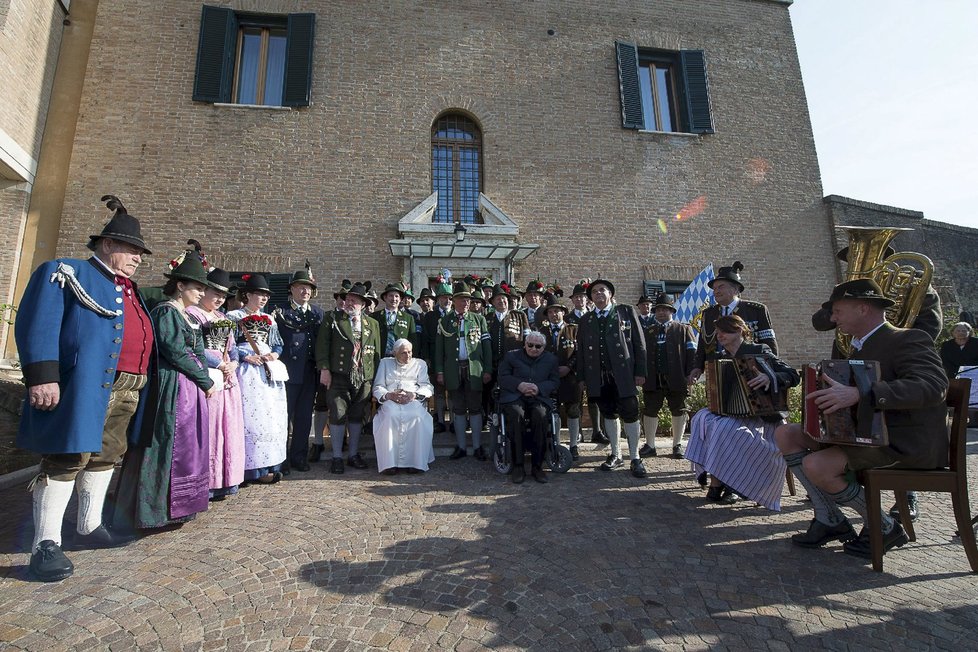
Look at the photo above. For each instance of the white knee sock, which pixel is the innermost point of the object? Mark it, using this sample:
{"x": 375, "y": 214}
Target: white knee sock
{"x": 574, "y": 430}
{"x": 633, "y": 431}
{"x": 678, "y": 428}
{"x": 651, "y": 424}
{"x": 50, "y": 502}
{"x": 612, "y": 432}
{"x": 92, "y": 487}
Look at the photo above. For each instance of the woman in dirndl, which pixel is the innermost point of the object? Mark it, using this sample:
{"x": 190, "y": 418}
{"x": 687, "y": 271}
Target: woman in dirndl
{"x": 226, "y": 422}
{"x": 262, "y": 378}
{"x": 739, "y": 453}
{"x": 166, "y": 475}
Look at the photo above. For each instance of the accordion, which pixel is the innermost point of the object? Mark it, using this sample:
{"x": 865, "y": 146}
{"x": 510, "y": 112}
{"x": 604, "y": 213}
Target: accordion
{"x": 860, "y": 425}
{"x": 728, "y": 394}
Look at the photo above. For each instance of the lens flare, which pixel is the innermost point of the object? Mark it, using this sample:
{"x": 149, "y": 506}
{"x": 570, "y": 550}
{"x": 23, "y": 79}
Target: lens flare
{"x": 662, "y": 225}
{"x": 692, "y": 209}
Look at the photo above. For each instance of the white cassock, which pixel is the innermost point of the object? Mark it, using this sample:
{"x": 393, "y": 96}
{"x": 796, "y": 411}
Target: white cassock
{"x": 402, "y": 433}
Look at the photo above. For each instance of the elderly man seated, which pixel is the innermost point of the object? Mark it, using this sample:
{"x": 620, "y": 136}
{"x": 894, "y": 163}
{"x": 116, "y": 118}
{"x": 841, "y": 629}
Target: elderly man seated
{"x": 528, "y": 378}
{"x": 402, "y": 426}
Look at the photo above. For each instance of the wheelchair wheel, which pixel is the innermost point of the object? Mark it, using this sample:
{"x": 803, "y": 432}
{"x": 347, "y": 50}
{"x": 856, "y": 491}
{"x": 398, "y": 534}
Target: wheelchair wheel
{"x": 501, "y": 461}
{"x": 560, "y": 459}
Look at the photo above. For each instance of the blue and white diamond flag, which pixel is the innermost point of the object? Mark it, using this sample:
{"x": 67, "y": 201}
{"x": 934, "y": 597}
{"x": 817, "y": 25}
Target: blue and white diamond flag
{"x": 695, "y": 298}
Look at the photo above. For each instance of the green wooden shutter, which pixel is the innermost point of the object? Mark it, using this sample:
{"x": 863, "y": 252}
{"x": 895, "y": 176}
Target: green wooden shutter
{"x": 630, "y": 92}
{"x": 298, "y": 59}
{"x": 215, "y": 55}
{"x": 696, "y": 91}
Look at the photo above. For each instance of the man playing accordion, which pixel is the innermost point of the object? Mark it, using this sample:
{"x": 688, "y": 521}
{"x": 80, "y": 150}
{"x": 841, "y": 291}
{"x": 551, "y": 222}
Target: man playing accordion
{"x": 910, "y": 395}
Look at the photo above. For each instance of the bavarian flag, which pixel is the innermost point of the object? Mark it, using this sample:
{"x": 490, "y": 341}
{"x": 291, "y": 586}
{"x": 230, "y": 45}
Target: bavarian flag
{"x": 695, "y": 299}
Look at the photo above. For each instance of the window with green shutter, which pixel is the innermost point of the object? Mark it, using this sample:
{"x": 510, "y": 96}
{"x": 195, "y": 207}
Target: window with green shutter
{"x": 246, "y": 58}
{"x": 663, "y": 90}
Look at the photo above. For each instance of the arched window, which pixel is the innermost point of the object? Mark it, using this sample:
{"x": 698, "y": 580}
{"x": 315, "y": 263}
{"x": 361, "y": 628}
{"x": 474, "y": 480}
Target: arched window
{"x": 456, "y": 169}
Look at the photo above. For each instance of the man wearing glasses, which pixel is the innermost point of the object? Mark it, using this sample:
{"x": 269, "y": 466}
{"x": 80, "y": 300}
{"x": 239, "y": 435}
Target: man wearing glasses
{"x": 528, "y": 378}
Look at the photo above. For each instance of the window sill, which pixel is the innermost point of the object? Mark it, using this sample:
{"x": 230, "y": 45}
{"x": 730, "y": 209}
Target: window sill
{"x": 252, "y": 106}
{"x": 683, "y": 134}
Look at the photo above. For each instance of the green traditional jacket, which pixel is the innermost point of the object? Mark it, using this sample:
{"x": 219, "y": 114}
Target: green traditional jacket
{"x": 404, "y": 327}
{"x": 334, "y": 345}
{"x": 478, "y": 344}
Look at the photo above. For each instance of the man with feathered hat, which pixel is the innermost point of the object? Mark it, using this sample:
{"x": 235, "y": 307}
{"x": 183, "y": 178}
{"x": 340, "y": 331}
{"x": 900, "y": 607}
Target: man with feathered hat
{"x": 347, "y": 355}
{"x": 85, "y": 341}
{"x": 579, "y": 299}
{"x": 727, "y": 287}
{"x": 298, "y": 324}
{"x": 429, "y": 335}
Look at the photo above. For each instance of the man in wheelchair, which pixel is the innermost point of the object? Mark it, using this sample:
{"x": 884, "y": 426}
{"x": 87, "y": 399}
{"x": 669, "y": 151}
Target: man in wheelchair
{"x": 528, "y": 379}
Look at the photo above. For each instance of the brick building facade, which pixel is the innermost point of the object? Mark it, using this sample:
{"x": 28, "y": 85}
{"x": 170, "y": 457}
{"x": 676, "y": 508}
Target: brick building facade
{"x": 565, "y": 182}
{"x": 30, "y": 38}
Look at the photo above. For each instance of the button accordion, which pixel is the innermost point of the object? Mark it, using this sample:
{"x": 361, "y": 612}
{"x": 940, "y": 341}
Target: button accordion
{"x": 860, "y": 425}
{"x": 728, "y": 393}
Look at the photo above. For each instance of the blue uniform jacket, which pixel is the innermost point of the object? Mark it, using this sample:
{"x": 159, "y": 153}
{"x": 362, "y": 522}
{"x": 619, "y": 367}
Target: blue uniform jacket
{"x": 299, "y": 331}
{"x": 69, "y": 330}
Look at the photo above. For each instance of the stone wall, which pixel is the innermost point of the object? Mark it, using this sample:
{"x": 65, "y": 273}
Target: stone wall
{"x": 329, "y": 182}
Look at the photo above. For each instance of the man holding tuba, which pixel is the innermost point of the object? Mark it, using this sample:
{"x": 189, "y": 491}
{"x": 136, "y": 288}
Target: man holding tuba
{"x": 870, "y": 259}
{"x": 910, "y": 394}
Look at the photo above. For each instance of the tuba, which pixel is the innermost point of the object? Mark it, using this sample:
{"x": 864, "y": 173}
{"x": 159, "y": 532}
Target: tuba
{"x": 904, "y": 276}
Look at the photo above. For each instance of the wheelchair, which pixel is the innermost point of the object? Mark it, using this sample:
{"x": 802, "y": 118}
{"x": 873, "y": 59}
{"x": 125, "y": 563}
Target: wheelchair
{"x": 556, "y": 456}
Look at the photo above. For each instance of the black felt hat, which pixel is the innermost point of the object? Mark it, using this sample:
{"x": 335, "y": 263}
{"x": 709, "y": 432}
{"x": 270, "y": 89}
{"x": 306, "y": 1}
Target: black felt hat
{"x": 731, "y": 274}
{"x": 255, "y": 283}
{"x": 602, "y": 281}
{"x": 426, "y": 293}
{"x": 220, "y": 280}
{"x": 501, "y": 290}
{"x": 665, "y": 300}
{"x": 643, "y": 299}
{"x": 394, "y": 287}
{"x": 345, "y": 285}
{"x": 862, "y": 289}
{"x": 361, "y": 290}
{"x": 122, "y": 227}
{"x": 535, "y": 286}
{"x": 554, "y": 302}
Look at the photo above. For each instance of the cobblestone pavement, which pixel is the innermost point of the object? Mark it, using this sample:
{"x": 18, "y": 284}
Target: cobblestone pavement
{"x": 460, "y": 559}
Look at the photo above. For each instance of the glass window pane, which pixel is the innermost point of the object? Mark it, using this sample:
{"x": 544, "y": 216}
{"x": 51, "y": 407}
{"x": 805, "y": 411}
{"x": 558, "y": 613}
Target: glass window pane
{"x": 248, "y": 66}
{"x": 664, "y": 87}
{"x": 648, "y": 101}
{"x": 275, "y": 68}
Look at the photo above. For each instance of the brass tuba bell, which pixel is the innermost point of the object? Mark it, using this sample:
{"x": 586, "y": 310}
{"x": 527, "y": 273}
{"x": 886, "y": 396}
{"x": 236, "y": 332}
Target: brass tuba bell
{"x": 903, "y": 276}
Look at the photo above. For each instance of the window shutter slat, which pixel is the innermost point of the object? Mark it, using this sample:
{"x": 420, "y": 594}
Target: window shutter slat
{"x": 697, "y": 92}
{"x": 630, "y": 92}
{"x": 298, "y": 59}
{"x": 215, "y": 55}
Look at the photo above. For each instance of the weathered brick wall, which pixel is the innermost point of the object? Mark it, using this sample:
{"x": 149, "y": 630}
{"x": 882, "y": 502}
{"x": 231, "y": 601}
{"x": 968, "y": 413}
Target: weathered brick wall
{"x": 329, "y": 182}
{"x": 954, "y": 249}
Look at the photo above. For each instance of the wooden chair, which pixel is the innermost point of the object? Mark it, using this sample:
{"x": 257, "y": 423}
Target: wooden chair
{"x": 953, "y": 480}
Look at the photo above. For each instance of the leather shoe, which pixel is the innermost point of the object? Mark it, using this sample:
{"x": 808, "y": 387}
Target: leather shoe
{"x": 701, "y": 479}
{"x": 480, "y": 454}
{"x": 728, "y": 496}
{"x": 819, "y": 534}
{"x": 638, "y": 469}
{"x": 647, "y": 451}
{"x": 439, "y": 427}
{"x": 597, "y": 437}
{"x": 575, "y": 454}
{"x": 357, "y": 462}
{"x": 391, "y": 471}
{"x": 860, "y": 546}
{"x": 457, "y": 454}
{"x": 713, "y": 493}
{"x": 301, "y": 465}
{"x": 611, "y": 462}
{"x": 518, "y": 474}
{"x": 412, "y": 471}
{"x": 49, "y": 564}
{"x": 100, "y": 537}
{"x": 337, "y": 465}
{"x": 912, "y": 504}
{"x": 677, "y": 452}
{"x": 315, "y": 452}
{"x": 539, "y": 475}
